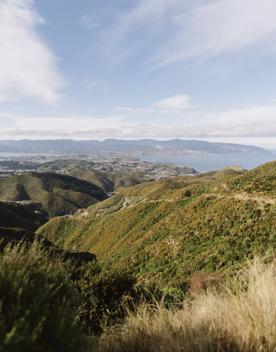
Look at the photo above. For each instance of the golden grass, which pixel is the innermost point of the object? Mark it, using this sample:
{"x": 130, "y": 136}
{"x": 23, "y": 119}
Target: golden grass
{"x": 239, "y": 317}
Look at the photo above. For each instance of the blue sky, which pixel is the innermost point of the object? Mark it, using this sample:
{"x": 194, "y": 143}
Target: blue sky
{"x": 85, "y": 69}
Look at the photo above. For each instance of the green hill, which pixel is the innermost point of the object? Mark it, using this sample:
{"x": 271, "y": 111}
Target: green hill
{"x": 28, "y": 216}
{"x": 166, "y": 230}
{"x": 58, "y": 194}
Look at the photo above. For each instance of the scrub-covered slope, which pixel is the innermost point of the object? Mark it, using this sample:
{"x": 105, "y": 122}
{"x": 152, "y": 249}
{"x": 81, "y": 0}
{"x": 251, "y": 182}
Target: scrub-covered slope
{"x": 168, "y": 229}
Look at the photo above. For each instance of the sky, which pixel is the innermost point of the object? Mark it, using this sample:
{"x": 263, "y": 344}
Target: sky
{"x": 95, "y": 69}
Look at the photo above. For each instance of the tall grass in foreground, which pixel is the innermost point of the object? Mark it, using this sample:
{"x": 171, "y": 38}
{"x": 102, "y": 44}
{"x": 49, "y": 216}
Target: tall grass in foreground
{"x": 37, "y": 303}
{"x": 240, "y": 317}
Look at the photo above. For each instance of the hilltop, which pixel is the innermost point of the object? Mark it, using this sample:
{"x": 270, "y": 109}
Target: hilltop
{"x": 59, "y": 194}
{"x": 165, "y": 230}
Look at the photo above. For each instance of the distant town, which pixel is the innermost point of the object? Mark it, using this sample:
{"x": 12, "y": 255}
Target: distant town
{"x": 65, "y": 164}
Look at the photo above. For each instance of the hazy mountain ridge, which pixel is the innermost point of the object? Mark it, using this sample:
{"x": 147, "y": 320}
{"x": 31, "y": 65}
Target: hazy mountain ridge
{"x": 123, "y": 146}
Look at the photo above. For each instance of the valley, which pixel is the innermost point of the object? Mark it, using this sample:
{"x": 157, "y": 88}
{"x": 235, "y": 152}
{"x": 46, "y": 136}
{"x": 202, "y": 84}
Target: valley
{"x": 124, "y": 244}
{"x": 137, "y": 176}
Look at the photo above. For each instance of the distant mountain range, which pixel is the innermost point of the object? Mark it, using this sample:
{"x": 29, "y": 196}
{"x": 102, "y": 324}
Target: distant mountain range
{"x": 131, "y": 147}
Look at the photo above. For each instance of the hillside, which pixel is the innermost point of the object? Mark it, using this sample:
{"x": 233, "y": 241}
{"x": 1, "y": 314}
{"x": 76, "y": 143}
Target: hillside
{"x": 166, "y": 230}
{"x": 58, "y": 194}
{"x": 28, "y": 216}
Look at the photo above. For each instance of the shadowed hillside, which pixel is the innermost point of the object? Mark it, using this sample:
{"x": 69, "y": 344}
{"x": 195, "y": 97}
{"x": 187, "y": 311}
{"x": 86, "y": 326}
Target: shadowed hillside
{"x": 16, "y": 236}
{"x": 28, "y": 216}
{"x": 58, "y": 194}
{"x": 166, "y": 230}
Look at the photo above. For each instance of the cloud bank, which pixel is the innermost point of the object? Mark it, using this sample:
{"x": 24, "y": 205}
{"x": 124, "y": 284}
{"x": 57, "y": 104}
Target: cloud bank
{"x": 254, "y": 122}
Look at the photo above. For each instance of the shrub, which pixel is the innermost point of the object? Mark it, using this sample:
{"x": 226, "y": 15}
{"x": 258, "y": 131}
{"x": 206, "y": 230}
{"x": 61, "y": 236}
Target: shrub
{"x": 104, "y": 296}
{"x": 37, "y": 303}
{"x": 187, "y": 193}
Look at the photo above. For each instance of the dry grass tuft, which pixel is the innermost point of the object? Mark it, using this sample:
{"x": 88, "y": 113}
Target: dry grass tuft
{"x": 241, "y": 317}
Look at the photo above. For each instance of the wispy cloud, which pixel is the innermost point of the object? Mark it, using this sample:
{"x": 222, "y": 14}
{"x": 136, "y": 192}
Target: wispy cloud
{"x": 174, "y": 104}
{"x": 28, "y": 68}
{"x": 220, "y": 26}
{"x": 125, "y": 35}
{"x": 178, "y": 30}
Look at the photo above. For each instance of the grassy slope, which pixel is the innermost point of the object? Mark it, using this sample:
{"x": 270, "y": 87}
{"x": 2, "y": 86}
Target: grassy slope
{"x": 168, "y": 229}
{"x": 58, "y": 194}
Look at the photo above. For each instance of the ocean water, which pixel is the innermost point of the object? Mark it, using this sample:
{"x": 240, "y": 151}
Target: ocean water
{"x": 210, "y": 162}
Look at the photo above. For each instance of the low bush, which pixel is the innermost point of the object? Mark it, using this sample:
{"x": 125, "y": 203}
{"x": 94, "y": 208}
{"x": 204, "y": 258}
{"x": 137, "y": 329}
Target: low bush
{"x": 104, "y": 297}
